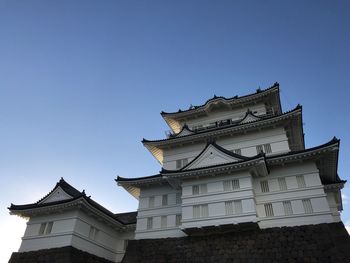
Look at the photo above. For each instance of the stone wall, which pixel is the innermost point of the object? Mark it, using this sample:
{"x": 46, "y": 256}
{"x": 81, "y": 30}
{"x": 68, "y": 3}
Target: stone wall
{"x": 311, "y": 243}
{"x": 56, "y": 255}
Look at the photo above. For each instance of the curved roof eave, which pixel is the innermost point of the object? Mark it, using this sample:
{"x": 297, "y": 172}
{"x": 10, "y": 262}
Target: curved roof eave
{"x": 235, "y": 99}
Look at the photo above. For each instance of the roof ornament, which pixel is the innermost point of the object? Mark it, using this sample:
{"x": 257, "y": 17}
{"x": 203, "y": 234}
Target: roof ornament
{"x": 276, "y": 84}
{"x": 258, "y": 90}
{"x": 191, "y": 107}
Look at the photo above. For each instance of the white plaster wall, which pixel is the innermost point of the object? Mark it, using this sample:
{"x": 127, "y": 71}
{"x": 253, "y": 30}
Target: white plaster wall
{"x": 215, "y": 198}
{"x": 170, "y": 210}
{"x": 313, "y": 191}
{"x": 276, "y": 137}
{"x": 61, "y": 233}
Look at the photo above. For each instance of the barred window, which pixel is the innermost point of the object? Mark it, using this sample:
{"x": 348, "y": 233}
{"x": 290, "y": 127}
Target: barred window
{"x": 195, "y": 189}
{"x": 227, "y": 185}
{"x": 264, "y": 186}
{"x": 287, "y": 206}
{"x": 282, "y": 183}
{"x": 307, "y": 206}
{"x": 196, "y": 211}
{"x": 235, "y": 184}
{"x": 149, "y": 222}
{"x": 267, "y": 148}
{"x": 268, "y": 209}
{"x": 301, "y": 181}
{"x": 229, "y": 207}
{"x": 259, "y": 149}
{"x": 204, "y": 211}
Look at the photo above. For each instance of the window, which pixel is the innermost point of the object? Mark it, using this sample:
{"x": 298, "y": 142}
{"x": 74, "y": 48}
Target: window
{"x": 238, "y": 206}
{"x": 199, "y": 189}
{"x": 93, "y": 233}
{"x": 282, "y": 183}
{"x": 237, "y": 151}
{"x": 181, "y": 163}
{"x": 235, "y": 184}
{"x": 268, "y": 209}
{"x": 231, "y": 185}
{"x": 264, "y": 186}
{"x": 178, "y": 198}
{"x": 45, "y": 228}
{"x": 259, "y": 149}
{"x": 204, "y": 211}
{"x": 229, "y": 207}
{"x": 178, "y": 220}
{"x": 227, "y": 185}
{"x": 163, "y": 222}
{"x": 149, "y": 223}
{"x": 307, "y": 206}
{"x": 151, "y": 202}
{"x": 266, "y": 148}
{"x": 200, "y": 211}
{"x": 301, "y": 181}
{"x": 195, "y": 189}
{"x": 164, "y": 200}
{"x": 196, "y": 211}
{"x": 287, "y": 206}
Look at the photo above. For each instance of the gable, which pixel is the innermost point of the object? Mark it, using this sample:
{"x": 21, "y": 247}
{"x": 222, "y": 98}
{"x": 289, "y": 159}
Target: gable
{"x": 57, "y": 195}
{"x": 249, "y": 118}
{"x": 184, "y": 132}
{"x": 211, "y": 156}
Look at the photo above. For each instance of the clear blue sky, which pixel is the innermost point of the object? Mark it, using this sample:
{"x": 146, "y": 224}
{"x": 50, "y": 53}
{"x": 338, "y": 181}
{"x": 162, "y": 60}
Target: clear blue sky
{"x": 82, "y": 82}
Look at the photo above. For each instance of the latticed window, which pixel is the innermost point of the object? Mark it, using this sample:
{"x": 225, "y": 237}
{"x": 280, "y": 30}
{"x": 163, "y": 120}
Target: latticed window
{"x": 301, "y": 181}
{"x": 307, "y": 206}
{"x": 149, "y": 222}
{"x": 229, "y": 207}
{"x": 264, "y": 186}
{"x": 200, "y": 211}
{"x": 259, "y": 149}
{"x": 178, "y": 220}
{"x": 163, "y": 222}
{"x": 238, "y": 206}
{"x": 267, "y": 148}
{"x": 151, "y": 202}
{"x": 195, "y": 189}
{"x": 227, "y": 185}
{"x": 268, "y": 209}
{"x": 235, "y": 184}
{"x": 196, "y": 211}
{"x": 287, "y": 206}
{"x": 282, "y": 183}
{"x": 164, "y": 200}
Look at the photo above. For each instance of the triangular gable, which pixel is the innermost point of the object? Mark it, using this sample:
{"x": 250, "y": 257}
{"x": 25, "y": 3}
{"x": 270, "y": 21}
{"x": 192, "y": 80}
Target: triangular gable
{"x": 57, "y": 195}
{"x": 210, "y": 156}
{"x": 249, "y": 117}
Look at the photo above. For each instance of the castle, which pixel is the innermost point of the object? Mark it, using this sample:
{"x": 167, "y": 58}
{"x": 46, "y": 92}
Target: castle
{"x": 231, "y": 162}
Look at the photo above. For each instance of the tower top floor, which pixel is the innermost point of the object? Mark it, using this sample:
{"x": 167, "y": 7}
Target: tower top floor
{"x": 263, "y": 102}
